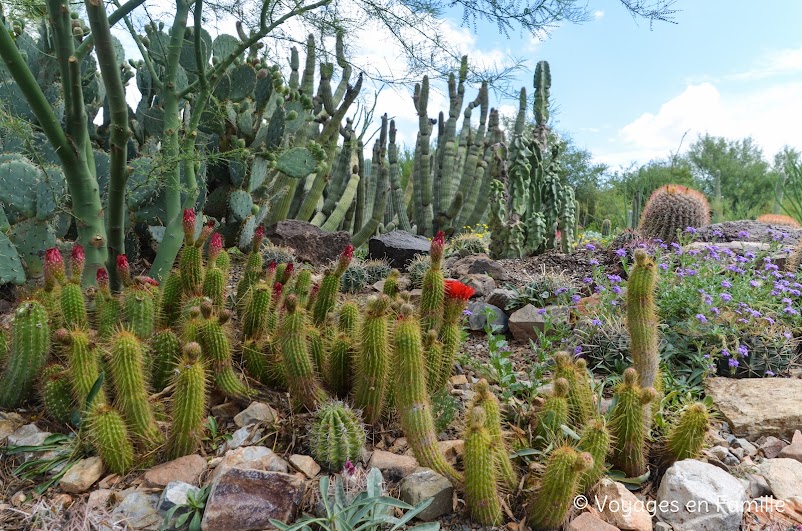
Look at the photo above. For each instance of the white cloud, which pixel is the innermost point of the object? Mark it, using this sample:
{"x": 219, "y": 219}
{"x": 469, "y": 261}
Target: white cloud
{"x": 770, "y": 115}
{"x": 775, "y": 63}
{"x": 598, "y": 14}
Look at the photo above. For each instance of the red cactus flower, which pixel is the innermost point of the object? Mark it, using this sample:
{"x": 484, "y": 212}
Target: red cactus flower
{"x": 458, "y": 290}
{"x": 146, "y": 281}
{"x": 77, "y": 260}
{"x": 102, "y": 277}
{"x": 258, "y": 236}
{"x": 123, "y": 269}
{"x": 271, "y": 267}
{"x": 438, "y": 245}
{"x": 288, "y": 272}
{"x": 206, "y": 231}
{"x": 54, "y": 267}
{"x": 345, "y": 259}
{"x": 277, "y": 287}
{"x": 53, "y": 256}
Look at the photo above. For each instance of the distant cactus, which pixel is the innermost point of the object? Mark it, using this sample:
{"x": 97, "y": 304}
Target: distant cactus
{"x": 672, "y": 208}
{"x": 605, "y": 228}
{"x": 376, "y": 270}
{"x": 336, "y": 435}
{"x": 466, "y": 245}
{"x": 355, "y": 278}
{"x": 779, "y": 219}
{"x": 417, "y": 268}
{"x": 189, "y": 403}
{"x": 481, "y": 495}
{"x": 29, "y": 348}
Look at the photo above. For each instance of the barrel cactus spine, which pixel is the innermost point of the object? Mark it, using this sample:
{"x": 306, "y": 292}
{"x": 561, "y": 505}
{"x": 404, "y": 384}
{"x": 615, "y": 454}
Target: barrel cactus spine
{"x": 336, "y": 435}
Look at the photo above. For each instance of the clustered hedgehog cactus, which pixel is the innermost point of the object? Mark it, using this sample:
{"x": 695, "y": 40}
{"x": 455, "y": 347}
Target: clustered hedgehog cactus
{"x": 336, "y": 435}
{"x": 673, "y": 208}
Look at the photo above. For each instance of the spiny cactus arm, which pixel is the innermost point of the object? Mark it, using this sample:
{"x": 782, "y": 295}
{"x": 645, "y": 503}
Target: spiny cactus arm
{"x": 118, "y": 113}
{"x": 345, "y": 76}
{"x": 369, "y": 228}
{"x": 399, "y": 205}
{"x": 200, "y": 62}
{"x": 332, "y": 127}
{"x": 122, "y": 11}
{"x": 308, "y": 78}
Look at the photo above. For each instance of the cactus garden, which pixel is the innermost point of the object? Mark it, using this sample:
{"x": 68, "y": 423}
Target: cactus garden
{"x": 248, "y": 300}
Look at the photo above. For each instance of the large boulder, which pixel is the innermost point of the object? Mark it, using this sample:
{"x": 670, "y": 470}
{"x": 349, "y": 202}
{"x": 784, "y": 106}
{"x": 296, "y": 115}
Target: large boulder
{"x": 697, "y": 496}
{"x": 758, "y": 406}
{"x": 746, "y": 230}
{"x": 310, "y": 243}
{"x": 478, "y": 264}
{"x": 398, "y": 247}
{"x": 247, "y": 499}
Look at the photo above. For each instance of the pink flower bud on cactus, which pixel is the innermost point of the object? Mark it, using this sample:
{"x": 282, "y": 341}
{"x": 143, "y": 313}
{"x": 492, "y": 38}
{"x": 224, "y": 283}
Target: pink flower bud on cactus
{"x": 345, "y": 259}
{"x": 277, "y": 288}
{"x": 206, "y": 231}
{"x": 215, "y": 246}
{"x": 438, "y": 245}
{"x": 77, "y": 261}
{"x": 123, "y": 269}
{"x": 54, "y": 267}
{"x": 102, "y": 277}
{"x": 189, "y": 224}
{"x": 258, "y": 236}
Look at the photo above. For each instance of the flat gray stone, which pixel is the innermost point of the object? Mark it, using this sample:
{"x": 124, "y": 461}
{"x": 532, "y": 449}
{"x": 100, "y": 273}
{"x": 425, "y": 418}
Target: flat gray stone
{"x": 138, "y": 510}
{"x": 256, "y": 413}
{"x": 477, "y": 319}
{"x": 784, "y": 477}
{"x": 426, "y": 483}
{"x": 175, "y": 493}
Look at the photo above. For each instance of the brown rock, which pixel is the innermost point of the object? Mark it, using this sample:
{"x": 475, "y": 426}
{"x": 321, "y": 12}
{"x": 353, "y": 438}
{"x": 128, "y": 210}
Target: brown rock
{"x": 393, "y": 467}
{"x": 305, "y": 465}
{"x": 246, "y": 500}
{"x": 588, "y": 522}
{"x": 478, "y": 264}
{"x": 252, "y": 457}
{"x": 621, "y": 508}
{"x": 793, "y": 450}
{"x": 771, "y": 447}
{"x": 187, "y": 469}
{"x": 523, "y": 322}
{"x": 311, "y": 244}
{"x": 82, "y": 475}
{"x": 758, "y": 406}
{"x": 482, "y": 284}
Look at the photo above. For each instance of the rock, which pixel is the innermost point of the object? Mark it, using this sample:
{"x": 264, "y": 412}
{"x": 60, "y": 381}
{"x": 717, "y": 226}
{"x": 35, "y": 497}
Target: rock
{"x": 256, "y": 413}
{"x": 758, "y": 406}
{"x": 187, "y": 469}
{"x": 310, "y": 243}
{"x": 99, "y": 498}
{"x": 138, "y": 511}
{"x": 452, "y": 449}
{"x": 393, "y": 467}
{"x": 244, "y": 436}
{"x": 245, "y": 500}
{"x": 253, "y": 457}
{"x": 305, "y": 464}
{"x": 478, "y": 263}
{"x": 758, "y": 486}
{"x": 771, "y": 447}
{"x": 732, "y": 231}
{"x": 28, "y": 435}
{"x": 589, "y": 522}
{"x": 482, "y": 284}
{"x": 415, "y": 295}
{"x": 524, "y": 321}
{"x": 477, "y": 318}
{"x": 500, "y": 297}
{"x": 784, "y": 477}
{"x": 619, "y": 507}
{"x": 661, "y": 526}
{"x": 748, "y": 448}
{"x": 696, "y": 496}
{"x": 426, "y": 483}
{"x": 175, "y": 493}
{"x": 225, "y": 411}
{"x": 82, "y": 475}
{"x": 793, "y": 450}
{"x": 398, "y": 247}
{"x": 9, "y": 423}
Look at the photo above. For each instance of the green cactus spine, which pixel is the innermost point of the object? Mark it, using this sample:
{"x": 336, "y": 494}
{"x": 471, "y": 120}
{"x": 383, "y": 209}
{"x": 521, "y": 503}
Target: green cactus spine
{"x": 127, "y": 369}
{"x": 189, "y": 403}
{"x": 686, "y": 438}
{"x": 553, "y": 413}
{"x": 581, "y": 400}
{"x": 642, "y": 324}
{"x": 336, "y": 435}
{"x": 254, "y": 360}
{"x": 317, "y": 349}
{"x": 492, "y": 408}
{"x": 390, "y": 287}
{"x": 327, "y": 295}
{"x": 304, "y": 386}
{"x": 56, "y": 393}
{"x": 434, "y": 360}
{"x": 595, "y": 440}
{"x": 559, "y": 485}
{"x": 373, "y": 360}
{"x": 83, "y": 362}
{"x": 165, "y": 347}
{"x": 223, "y": 261}
{"x": 342, "y": 352}
{"x": 629, "y": 424}
{"x": 73, "y": 308}
{"x": 254, "y": 321}
{"x": 481, "y": 496}
{"x": 303, "y": 286}
{"x": 172, "y": 291}
{"x": 216, "y": 347}
{"x": 139, "y": 308}
{"x": 29, "y": 348}
{"x": 109, "y": 436}
{"x": 457, "y": 295}
{"x": 433, "y": 288}
{"x": 412, "y": 400}
{"x": 191, "y": 267}
{"x": 214, "y": 287}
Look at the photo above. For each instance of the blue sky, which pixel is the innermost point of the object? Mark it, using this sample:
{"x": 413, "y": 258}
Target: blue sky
{"x": 628, "y": 93}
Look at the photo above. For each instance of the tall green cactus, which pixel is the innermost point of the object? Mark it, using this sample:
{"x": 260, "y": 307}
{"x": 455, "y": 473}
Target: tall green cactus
{"x": 492, "y": 408}
{"x": 373, "y": 360}
{"x": 109, "y": 436}
{"x": 29, "y": 348}
{"x": 553, "y": 498}
{"x": 189, "y": 403}
{"x": 481, "y": 495}
{"x": 629, "y": 424}
{"x": 304, "y": 386}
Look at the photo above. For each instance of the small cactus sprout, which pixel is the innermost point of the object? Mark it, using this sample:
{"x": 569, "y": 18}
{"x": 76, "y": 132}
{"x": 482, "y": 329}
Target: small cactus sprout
{"x": 29, "y": 348}
{"x": 457, "y": 296}
{"x": 373, "y": 363}
{"x": 109, "y": 437}
{"x": 304, "y": 386}
{"x": 411, "y": 398}
{"x": 558, "y": 487}
{"x": 481, "y": 496}
{"x": 595, "y": 440}
{"x": 686, "y": 437}
{"x": 336, "y": 435}
{"x": 628, "y": 424}
{"x": 553, "y": 413}
{"x": 433, "y": 288}
{"x": 54, "y": 272}
{"x": 189, "y": 403}
{"x": 205, "y": 232}
{"x": 487, "y": 400}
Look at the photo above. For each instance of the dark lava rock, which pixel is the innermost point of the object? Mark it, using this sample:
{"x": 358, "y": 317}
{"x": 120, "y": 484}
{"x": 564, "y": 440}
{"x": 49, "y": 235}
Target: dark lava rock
{"x": 398, "y": 247}
{"x": 311, "y": 244}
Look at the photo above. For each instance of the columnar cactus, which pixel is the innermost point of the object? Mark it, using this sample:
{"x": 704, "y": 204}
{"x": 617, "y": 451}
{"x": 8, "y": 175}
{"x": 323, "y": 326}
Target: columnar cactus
{"x": 673, "y": 208}
{"x": 581, "y": 400}
{"x": 391, "y": 284}
{"x": 304, "y": 386}
{"x": 56, "y": 393}
{"x": 139, "y": 309}
{"x": 553, "y": 413}
{"x": 191, "y": 260}
{"x": 29, "y": 348}
{"x": 411, "y": 397}
{"x": 83, "y": 362}
{"x": 329, "y": 287}
{"x": 606, "y": 228}
{"x": 73, "y": 308}
{"x": 213, "y": 338}
{"x": 595, "y": 440}
{"x": 642, "y": 320}
{"x": 109, "y": 436}
{"x": 457, "y": 295}
{"x": 629, "y": 424}
{"x": 686, "y": 437}
{"x": 254, "y": 321}
{"x": 165, "y": 348}
{"x": 336, "y": 435}
{"x": 487, "y": 400}
{"x": 107, "y": 307}
{"x": 553, "y": 497}
{"x": 171, "y": 296}
{"x": 342, "y": 353}
{"x": 481, "y": 495}
{"x": 433, "y": 288}
{"x": 189, "y": 403}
